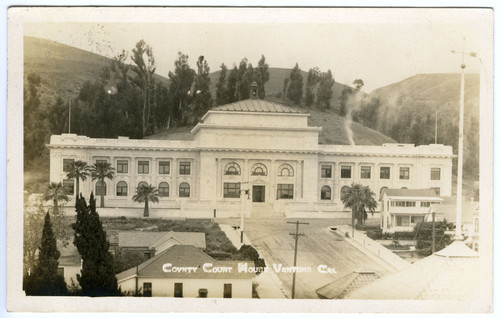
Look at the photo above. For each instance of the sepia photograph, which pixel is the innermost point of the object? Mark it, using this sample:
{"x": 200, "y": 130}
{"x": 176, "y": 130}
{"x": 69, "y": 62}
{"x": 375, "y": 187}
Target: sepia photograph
{"x": 334, "y": 160}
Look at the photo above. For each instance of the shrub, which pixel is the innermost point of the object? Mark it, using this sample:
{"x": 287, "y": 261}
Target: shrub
{"x": 249, "y": 253}
{"x": 375, "y": 234}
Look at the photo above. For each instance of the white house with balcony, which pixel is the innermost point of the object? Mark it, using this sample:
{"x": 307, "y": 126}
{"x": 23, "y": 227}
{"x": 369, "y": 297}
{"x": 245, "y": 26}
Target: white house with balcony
{"x": 256, "y": 145}
{"x": 402, "y": 209}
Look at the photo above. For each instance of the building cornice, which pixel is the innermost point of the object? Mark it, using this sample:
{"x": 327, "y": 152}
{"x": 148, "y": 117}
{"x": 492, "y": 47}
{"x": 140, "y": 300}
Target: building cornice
{"x": 208, "y": 126}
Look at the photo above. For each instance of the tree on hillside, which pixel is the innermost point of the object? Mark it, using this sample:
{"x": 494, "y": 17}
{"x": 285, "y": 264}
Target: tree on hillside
{"x": 101, "y": 171}
{"x": 146, "y": 193}
{"x": 262, "y": 76}
{"x": 180, "y": 87}
{"x": 202, "y": 98}
{"x": 57, "y": 116}
{"x": 313, "y": 77}
{"x": 360, "y": 199}
{"x": 79, "y": 170}
{"x": 232, "y": 85}
{"x": 221, "y": 97}
{"x": 144, "y": 67}
{"x": 358, "y": 84}
{"x": 162, "y": 112}
{"x": 45, "y": 280}
{"x": 325, "y": 90}
{"x": 245, "y": 78}
{"x": 33, "y": 125}
{"x": 286, "y": 83}
{"x": 294, "y": 92}
{"x": 97, "y": 277}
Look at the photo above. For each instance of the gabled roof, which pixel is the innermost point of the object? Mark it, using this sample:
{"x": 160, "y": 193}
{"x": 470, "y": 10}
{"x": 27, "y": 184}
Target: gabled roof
{"x": 257, "y": 105}
{"x": 427, "y": 193}
{"x": 346, "y": 284}
{"x": 450, "y": 274}
{"x": 184, "y": 256}
{"x": 138, "y": 239}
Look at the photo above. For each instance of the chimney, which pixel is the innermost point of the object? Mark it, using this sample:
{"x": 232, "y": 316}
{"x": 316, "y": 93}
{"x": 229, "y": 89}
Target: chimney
{"x": 254, "y": 92}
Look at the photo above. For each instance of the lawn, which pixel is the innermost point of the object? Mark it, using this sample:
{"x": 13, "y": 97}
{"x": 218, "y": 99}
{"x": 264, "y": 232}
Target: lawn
{"x": 218, "y": 245}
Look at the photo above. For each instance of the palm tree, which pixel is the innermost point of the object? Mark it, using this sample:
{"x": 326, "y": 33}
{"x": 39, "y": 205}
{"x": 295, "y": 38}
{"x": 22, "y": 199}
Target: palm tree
{"x": 55, "y": 192}
{"x": 100, "y": 171}
{"x": 359, "y": 198}
{"x": 79, "y": 170}
{"x": 146, "y": 193}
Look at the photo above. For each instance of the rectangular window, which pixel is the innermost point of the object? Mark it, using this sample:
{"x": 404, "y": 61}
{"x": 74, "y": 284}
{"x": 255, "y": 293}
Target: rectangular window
{"x": 404, "y": 173}
{"x": 101, "y": 161}
{"x": 416, "y": 219}
{"x": 425, "y": 204}
{"x": 231, "y": 190}
{"x": 385, "y": 173}
{"x": 228, "y": 290}
{"x": 164, "y": 167}
{"x": 437, "y": 190}
{"x": 345, "y": 172}
{"x": 402, "y": 220}
{"x": 326, "y": 171}
{"x": 177, "y": 289}
{"x": 69, "y": 186}
{"x": 68, "y": 164}
{"x": 435, "y": 173}
{"x": 122, "y": 166}
{"x": 147, "y": 289}
{"x": 366, "y": 172}
{"x": 185, "y": 168}
{"x": 285, "y": 191}
{"x": 143, "y": 167}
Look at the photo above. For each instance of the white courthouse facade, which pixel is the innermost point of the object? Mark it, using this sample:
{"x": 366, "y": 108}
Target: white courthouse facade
{"x": 255, "y": 145}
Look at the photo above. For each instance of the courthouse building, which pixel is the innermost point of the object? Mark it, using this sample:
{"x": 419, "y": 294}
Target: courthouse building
{"x": 265, "y": 150}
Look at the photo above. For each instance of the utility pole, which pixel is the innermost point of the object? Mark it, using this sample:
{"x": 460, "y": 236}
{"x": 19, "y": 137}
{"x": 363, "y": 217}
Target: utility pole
{"x": 296, "y": 235}
{"x": 458, "y": 226}
{"x": 69, "y": 117}
{"x": 433, "y": 232}
{"x": 436, "y": 129}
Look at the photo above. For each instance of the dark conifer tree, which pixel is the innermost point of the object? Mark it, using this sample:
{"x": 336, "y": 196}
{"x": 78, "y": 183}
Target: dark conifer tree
{"x": 294, "y": 92}
{"x": 97, "y": 276}
{"x": 45, "y": 280}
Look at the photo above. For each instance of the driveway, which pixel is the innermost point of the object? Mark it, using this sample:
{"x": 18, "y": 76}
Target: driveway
{"x": 319, "y": 246}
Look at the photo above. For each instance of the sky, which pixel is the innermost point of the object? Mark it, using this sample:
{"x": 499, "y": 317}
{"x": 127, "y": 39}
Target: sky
{"x": 379, "y": 46}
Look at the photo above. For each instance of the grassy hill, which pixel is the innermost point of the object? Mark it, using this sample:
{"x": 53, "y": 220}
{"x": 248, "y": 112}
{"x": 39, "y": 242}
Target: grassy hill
{"x": 62, "y": 68}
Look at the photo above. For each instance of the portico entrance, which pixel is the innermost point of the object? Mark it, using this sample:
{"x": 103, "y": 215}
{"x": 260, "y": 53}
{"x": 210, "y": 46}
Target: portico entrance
{"x": 258, "y": 193}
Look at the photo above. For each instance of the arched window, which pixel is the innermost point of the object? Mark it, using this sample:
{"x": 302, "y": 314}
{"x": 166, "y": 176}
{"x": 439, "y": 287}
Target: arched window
{"x": 100, "y": 188}
{"x": 184, "y": 190}
{"x": 259, "y": 169}
{"x": 142, "y": 184}
{"x": 121, "y": 189}
{"x": 232, "y": 168}
{"x": 326, "y": 193}
{"x": 382, "y": 190}
{"x": 285, "y": 170}
{"x": 163, "y": 189}
{"x": 343, "y": 192}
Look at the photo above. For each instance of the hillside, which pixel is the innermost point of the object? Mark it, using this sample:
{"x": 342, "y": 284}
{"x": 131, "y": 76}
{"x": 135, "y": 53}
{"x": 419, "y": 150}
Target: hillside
{"x": 62, "y": 68}
{"x": 439, "y": 90}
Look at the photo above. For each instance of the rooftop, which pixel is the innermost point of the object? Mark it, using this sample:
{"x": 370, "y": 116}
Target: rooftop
{"x": 257, "y": 105}
{"x": 425, "y": 193}
{"x": 346, "y": 284}
{"x": 449, "y": 274}
{"x": 153, "y": 239}
{"x": 185, "y": 256}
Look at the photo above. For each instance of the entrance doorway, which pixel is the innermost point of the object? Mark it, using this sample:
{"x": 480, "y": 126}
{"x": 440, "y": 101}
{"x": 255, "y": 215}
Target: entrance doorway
{"x": 258, "y": 193}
